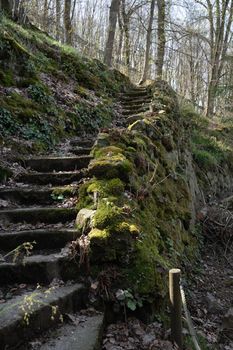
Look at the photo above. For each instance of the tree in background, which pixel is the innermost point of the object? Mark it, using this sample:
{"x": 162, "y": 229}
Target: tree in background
{"x": 148, "y": 43}
{"x": 187, "y": 42}
{"x": 68, "y": 22}
{"x": 113, "y": 13}
{"x": 161, "y": 37}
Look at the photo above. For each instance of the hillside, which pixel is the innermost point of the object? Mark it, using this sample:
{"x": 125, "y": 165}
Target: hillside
{"x": 49, "y": 91}
{"x": 103, "y": 183}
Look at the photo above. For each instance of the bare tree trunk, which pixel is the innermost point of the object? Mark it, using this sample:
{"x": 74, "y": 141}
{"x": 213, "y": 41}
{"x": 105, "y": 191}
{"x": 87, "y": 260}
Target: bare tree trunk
{"x": 45, "y": 14}
{"x": 219, "y": 42}
{"x": 212, "y": 87}
{"x": 67, "y": 22}
{"x": 58, "y": 18}
{"x": 148, "y": 43}
{"x": 114, "y": 9}
{"x": 126, "y": 18}
{"x": 120, "y": 41}
{"x": 161, "y": 37}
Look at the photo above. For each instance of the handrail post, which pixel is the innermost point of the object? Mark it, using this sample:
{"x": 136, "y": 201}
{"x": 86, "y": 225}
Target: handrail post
{"x": 176, "y": 307}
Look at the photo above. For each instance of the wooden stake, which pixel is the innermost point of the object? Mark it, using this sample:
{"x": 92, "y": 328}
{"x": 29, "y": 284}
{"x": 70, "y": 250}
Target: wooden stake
{"x": 176, "y": 307}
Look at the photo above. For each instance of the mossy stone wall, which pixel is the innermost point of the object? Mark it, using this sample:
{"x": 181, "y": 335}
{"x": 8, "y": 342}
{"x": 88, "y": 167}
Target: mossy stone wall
{"x": 140, "y": 191}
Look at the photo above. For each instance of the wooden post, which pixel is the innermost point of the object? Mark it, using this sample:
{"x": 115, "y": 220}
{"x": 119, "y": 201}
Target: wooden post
{"x": 176, "y": 307}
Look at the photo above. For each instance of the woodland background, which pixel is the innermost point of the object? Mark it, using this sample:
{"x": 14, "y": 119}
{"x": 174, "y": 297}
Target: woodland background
{"x": 188, "y": 43}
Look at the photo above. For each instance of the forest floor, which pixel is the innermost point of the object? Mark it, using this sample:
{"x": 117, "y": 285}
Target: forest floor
{"x": 209, "y": 295}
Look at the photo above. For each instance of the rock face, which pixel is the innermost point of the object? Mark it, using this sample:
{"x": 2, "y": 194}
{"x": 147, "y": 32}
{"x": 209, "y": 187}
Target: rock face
{"x": 84, "y": 219}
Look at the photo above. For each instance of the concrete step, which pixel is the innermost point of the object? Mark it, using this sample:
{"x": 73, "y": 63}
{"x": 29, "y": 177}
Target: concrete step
{"x": 35, "y": 194}
{"x": 33, "y": 215}
{"x": 84, "y": 335}
{"x": 53, "y": 178}
{"x": 44, "y": 238}
{"x": 48, "y": 164}
{"x": 38, "y": 269}
{"x": 13, "y": 329}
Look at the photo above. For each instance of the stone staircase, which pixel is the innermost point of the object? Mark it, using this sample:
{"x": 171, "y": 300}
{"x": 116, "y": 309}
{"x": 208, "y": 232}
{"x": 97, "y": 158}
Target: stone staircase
{"x": 134, "y": 103}
{"x": 38, "y": 218}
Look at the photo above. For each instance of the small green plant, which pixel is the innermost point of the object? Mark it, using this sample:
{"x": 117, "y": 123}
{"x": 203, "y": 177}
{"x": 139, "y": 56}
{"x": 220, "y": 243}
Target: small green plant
{"x": 57, "y": 197}
{"x": 38, "y": 94}
{"x": 30, "y": 67}
{"x": 204, "y": 158}
{"x": 127, "y": 299}
{"x": 93, "y": 117}
{"x": 34, "y": 299}
{"x": 8, "y": 125}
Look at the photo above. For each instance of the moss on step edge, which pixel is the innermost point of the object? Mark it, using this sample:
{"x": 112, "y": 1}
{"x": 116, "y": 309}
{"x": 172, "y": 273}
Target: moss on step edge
{"x": 142, "y": 200}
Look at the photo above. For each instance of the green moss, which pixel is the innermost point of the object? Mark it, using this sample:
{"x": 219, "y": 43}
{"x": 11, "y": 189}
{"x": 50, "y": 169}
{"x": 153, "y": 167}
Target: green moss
{"x": 105, "y": 188}
{"x": 84, "y": 199}
{"x": 65, "y": 190}
{"x": 110, "y": 163}
{"x": 107, "y": 215}
{"x": 6, "y": 77}
{"x": 20, "y": 106}
{"x": 98, "y": 234}
{"x": 204, "y": 159}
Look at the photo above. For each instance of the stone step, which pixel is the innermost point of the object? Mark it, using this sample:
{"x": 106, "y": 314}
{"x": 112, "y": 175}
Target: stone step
{"x": 27, "y": 196}
{"x": 131, "y": 111}
{"x": 38, "y": 269}
{"x": 44, "y": 238}
{"x": 139, "y": 88}
{"x": 80, "y": 150}
{"x": 47, "y": 164}
{"x": 13, "y": 329}
{"x": 133, "y": 118}
{"x": 53, "y": 178}
{"x": 136, "y": 105}
{"x": 85, "y": 335}
{"x": 82, "y": 143}
{"x": 33, "y": 215}
{"x": 135, "y": 100}
{"x": 137, "y": 93}
{"x": 35, "y": 194}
